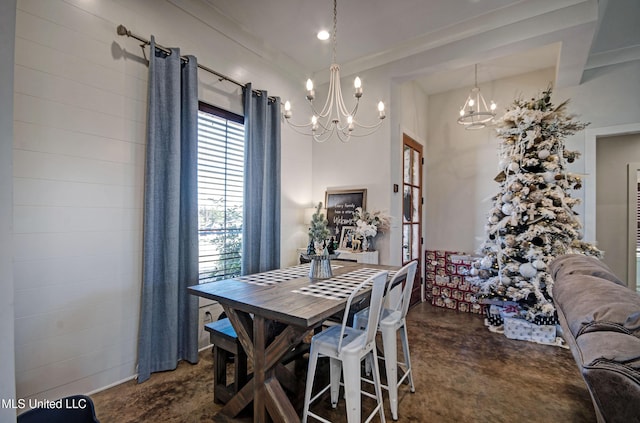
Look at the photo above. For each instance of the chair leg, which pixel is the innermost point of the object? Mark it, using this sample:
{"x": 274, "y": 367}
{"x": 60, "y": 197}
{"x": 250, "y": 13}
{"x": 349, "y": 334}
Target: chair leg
{"x": 377, "y": 383}
{"x": 391, "y": 366}
{"x": 407, "y": 356}
{"x": 351, "y": 373}
{"x": 335, "y": 371}
{"x": 311, "y": 371}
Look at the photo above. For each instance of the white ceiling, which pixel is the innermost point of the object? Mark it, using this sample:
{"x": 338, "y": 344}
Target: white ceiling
{"x": 437, "y": 42}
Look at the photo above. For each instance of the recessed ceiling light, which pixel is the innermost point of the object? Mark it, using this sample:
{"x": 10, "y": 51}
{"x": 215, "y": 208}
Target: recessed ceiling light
{"x": 323, "y": 35}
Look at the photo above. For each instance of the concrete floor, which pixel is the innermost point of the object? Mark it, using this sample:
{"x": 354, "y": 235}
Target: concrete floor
{"x": 462, "y": 373}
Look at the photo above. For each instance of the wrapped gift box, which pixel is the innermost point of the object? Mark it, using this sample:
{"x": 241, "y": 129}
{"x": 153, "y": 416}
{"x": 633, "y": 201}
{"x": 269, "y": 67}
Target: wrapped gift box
{"x": 524, "y": 330}
{"x": 543, "y": 333}
{"x": 445, "y": 276}
{"x": 494, "y": 315}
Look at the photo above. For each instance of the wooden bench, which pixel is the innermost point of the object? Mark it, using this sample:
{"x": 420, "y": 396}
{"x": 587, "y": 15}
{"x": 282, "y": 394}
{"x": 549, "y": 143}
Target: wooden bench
{"x": 225, "y": 346}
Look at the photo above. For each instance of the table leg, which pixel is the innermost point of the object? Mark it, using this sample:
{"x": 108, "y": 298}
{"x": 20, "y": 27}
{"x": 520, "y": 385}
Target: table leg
{"x": 269, "y": 398}
{"x": 259, "y": 344}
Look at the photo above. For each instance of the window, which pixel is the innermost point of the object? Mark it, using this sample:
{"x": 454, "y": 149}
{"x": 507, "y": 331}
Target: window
{"x": 220, "y": 192}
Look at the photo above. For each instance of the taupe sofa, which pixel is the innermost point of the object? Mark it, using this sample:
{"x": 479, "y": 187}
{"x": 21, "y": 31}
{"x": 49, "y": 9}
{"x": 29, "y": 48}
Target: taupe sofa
{"x": 600, "y": 318}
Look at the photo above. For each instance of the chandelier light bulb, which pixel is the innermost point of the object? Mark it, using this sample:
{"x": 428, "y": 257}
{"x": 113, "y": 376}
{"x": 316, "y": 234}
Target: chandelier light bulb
{"x": 287, "y": 109}
{"x": 357, "y": 84}
{"x": 471, "y": 102}
{"x": 493, "y": 106}
{"x": 310, "y": 92}
{"x": 381, "y": 114}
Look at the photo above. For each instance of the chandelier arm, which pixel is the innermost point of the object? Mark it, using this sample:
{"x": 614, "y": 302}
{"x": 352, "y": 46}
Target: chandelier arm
{"x": 319, "y": 115}
{"x": 355, "y": 109}
{"x": 294, "y": 125}
{"x": 296, "y": 129}
{"x": 328, "y": 103}
{"x": 484, "y": 103}
{"x": 344, "y": 136}
{"x": 374, "y": 126}
{"x": 322, "y": 137}
{"x": 326, "y": 126}
{"x": 341, "y": 108}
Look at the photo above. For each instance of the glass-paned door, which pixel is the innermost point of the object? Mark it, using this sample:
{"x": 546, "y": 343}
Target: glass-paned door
{"x": 412, "y": 207}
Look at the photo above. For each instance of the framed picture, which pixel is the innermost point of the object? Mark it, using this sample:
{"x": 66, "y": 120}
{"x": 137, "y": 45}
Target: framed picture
{"x": 347, "y": 237}
{"x": 341, "y": 204}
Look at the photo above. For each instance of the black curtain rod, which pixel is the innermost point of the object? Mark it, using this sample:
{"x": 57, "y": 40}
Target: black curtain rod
{"x": 122, "y": 30}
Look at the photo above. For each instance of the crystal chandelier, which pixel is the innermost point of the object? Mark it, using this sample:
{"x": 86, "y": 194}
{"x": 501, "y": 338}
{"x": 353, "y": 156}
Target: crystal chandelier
{"x": 334, "y": 117}
{"x": 475, "y": 114}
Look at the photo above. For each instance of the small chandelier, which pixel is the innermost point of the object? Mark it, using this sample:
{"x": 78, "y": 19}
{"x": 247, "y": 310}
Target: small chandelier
{"x": 334, "y": 117}
{"x": 475, "y": 114}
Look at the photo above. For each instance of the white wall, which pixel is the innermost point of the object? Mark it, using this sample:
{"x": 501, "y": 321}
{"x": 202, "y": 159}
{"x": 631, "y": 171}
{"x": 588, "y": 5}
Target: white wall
{"x": 80, "y": 109}
{"x": 7, "y": 367}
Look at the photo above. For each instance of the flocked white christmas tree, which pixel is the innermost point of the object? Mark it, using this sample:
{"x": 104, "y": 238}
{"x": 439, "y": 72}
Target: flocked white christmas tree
{"x": 532, "y": 219}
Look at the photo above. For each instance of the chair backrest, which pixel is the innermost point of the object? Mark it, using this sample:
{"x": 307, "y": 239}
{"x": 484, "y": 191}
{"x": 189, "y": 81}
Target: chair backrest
{"x": 375, "y": 306}
{"x": 406, "y": 273}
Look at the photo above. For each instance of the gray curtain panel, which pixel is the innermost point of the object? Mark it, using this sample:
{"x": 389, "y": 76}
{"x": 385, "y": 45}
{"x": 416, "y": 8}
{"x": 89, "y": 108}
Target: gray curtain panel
{"x": 261, "y": 219}
{"x": 169, "y": 315}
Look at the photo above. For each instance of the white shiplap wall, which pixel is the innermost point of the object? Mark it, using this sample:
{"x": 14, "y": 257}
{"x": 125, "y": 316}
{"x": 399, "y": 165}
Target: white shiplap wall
{"x": 78, "y": 165}
{"x": 80, "y": 111}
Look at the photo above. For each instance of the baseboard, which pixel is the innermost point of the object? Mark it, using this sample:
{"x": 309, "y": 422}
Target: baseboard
{"x": 111, "y": 385}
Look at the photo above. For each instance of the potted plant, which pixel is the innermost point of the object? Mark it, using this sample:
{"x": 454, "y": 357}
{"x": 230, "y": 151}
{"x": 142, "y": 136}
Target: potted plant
{"x": 320, "y": 250}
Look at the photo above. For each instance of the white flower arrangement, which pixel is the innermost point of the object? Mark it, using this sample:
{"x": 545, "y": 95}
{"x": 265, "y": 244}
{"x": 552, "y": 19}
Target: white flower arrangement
{"x": 368, "y": 224}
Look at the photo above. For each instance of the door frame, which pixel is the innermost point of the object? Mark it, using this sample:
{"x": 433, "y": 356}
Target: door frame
{"x": 410, "y": 141}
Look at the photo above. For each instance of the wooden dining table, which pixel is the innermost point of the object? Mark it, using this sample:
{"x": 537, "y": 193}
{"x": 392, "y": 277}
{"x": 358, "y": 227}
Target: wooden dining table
{"x": 272, "y": 312}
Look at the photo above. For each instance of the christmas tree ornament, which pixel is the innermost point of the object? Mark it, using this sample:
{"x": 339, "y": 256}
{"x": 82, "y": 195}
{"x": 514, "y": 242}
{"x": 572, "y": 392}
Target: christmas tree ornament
{"x": 527, "y": 270}
{"x": 543, "y": 154}
{"x": 516, "y": 186}
{"x": 507, "y": 209}
{"x": 549, "y": 177}
{"x": 539, "y": 264}
{"x": 486, "y": 263}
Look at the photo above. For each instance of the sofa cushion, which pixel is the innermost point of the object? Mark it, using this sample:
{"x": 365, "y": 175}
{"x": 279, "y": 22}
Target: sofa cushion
{"x": 611, "y": 368}
{"x": 578, "y": 264}
{"x": 593, "y": 304}
{"x": 599, "y": 349}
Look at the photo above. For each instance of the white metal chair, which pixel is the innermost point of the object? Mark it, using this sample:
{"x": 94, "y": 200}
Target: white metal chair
{"x": 346, "y": 347}
{"x": 392, "y": 320}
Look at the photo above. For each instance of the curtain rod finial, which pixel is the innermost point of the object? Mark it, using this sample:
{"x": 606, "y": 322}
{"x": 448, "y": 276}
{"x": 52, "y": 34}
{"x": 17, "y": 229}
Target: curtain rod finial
{"x": 122, "y": 30}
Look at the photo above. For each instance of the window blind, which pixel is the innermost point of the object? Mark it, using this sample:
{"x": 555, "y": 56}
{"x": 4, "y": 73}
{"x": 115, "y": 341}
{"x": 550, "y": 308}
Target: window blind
{"x": 220, "y": 195}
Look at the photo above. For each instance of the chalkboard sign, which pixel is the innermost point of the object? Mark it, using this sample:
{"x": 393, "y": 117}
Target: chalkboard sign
{"x": 340, "y": 208}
